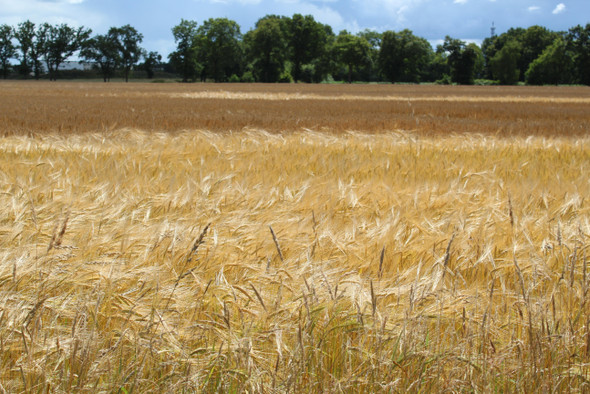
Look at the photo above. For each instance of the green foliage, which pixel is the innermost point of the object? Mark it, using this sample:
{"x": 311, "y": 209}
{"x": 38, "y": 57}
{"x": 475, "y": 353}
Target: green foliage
{"x": 219, "y": 48}
{"x": 7, "y": 49}
{"x": 462, "y": 60}
{"x": 38, "y": 49}
{"x": 307, "y": 41}
{"x": 532, "y": 41}
{"x": 184, "y": 59}
{"x": 118, "y": 48}
{"x": 504, "y": 64}
{"x": 286, "y": 77}
{"x": 25, "y": 35}
{"x": 104, "y": 52}
{"x": 127, "y": 43}
{"x": 479, "y": 66}
{"x": 486, "y": 82}
{"x": 444, "y": 80}
{"x": 352, "y": 51}
{"x": 248, "y": 77}
{"x": 61, "y": 41}
{"x": 578, "y": 42}
{"x": 554, "y": 66}
{"x": 280, "y": 48}
{"x": 266, "y": 47}
{"x": 371, "y": 70}
{"x": 404, "y": 57}
{"x": 151, "y": 61}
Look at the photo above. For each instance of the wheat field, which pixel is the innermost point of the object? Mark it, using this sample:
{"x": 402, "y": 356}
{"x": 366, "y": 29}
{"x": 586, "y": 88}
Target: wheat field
{"x": 311, "y": 260}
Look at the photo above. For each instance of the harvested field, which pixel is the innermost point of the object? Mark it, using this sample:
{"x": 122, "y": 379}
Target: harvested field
{"x": 291, "y": 260}
{"x": 425, "y": 110}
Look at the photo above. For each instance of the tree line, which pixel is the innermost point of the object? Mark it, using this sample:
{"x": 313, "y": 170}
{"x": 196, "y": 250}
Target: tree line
{"x": 301, "y": 49}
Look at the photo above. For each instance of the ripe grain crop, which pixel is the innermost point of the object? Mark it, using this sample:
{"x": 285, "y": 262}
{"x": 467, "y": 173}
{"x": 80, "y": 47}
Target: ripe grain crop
{"x": 31, "y": 108}
{"x": 293, "y": 262}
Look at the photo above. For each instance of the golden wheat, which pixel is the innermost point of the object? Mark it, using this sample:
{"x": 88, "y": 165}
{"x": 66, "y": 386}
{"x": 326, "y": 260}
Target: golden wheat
{"x": 305, "y": 262}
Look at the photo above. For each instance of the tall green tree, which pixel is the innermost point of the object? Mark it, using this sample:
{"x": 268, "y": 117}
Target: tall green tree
{"x": 504, "y": 64}
{"x": 184, "y": 59}
{"x": 103, "y": 51}
{"x": 532, "y": 40}
{"x": 578, "y": 42}
{"x": 479, "y": 66}
{"x": 352, "y": 51}
{"x": 61, "y": 43}
{"x": 220, "y": 48}
{"x": 404, "y": 57}
{"x": 266, "y": 48}
{"x": 151, "y": 60}
{"x": 461, "y": 59}
{"x": 128, "y": 40}
{"x": 38, "y": 49}
{"x": 322, "y": 65}
{"x": 7, "y": 49}
{"x": 370, "y": 72}
{"x": 554, "y": 66}
{"x": 25, "y": 35}
{"x": 307, "y": 42}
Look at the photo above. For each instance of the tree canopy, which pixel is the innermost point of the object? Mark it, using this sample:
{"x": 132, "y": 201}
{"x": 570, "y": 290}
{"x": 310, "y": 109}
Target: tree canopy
{"x": 553, "y": 66}
{"x": 219, "y": 47}
{"x": 266, "y": 47}
{"x": 299, "y": 48}
{"x": 352, "y": 51}
{"x": 7, "y": 49}
{"x": 184, "y": 59}
{"x": 404, "y": 57}
{"x": 61, "y": 41}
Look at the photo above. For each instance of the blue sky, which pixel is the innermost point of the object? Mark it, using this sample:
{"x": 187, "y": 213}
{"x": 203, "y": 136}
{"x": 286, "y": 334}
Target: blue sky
{"x": 432, "y": 19}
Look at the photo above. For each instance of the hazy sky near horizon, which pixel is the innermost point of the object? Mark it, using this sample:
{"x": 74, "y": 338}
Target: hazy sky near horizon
{"x": 432, "y": 19}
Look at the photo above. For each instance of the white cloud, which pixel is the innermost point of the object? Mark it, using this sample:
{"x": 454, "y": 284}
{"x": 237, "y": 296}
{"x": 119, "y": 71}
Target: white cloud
{"x": 324, "y": 14}
{"x": 459, "y": 1}
{"x": 71, "y": 12}
{"x": 559, "y": 9}
{"x": 396, "y": 9}
{"x": 533, "y": 8}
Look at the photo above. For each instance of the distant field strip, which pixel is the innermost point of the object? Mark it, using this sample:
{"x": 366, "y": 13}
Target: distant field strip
{"x": 427, "y": 110}
{"x": 227, "y": 95}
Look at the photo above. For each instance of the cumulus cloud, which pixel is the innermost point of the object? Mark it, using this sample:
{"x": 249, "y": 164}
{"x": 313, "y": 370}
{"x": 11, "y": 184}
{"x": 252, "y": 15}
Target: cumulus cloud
{"x": 459, "y": 1}
{"x": 559, "y": 9}
{"x": 533, "y": 8}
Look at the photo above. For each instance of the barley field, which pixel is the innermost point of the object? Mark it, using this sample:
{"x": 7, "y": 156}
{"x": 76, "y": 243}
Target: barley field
{"x": 299, "y": 238}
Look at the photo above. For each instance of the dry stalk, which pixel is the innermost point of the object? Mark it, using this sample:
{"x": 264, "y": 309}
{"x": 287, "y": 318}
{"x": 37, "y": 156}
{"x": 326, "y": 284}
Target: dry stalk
{"x": 274, "y": 238}
{"x": 381, "y": 262}
{"x": 57, "y": 237}
{"x": 373, "y": 300}
{"x": 510, "y": 211}
{"x": 447, "y": 258}
{"x": 197, "y": 243}
{"x": 258, "y": 296}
